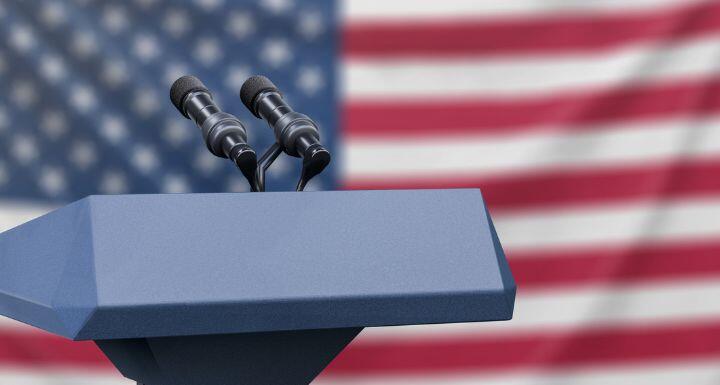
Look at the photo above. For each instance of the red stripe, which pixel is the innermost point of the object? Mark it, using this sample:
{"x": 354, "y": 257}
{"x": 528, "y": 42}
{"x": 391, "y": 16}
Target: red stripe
{"x": 615, "y": 265}
{"x": 39, "y": 349}
{"x": 529, "y": 36}
{"x": 608, "y": 346}
{"x": 682, "y": 178}
{"x": 468, "y": 117}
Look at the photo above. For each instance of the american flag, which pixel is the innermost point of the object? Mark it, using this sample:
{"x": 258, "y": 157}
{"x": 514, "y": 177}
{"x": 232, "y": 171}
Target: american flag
{"x": 591, "y": 126}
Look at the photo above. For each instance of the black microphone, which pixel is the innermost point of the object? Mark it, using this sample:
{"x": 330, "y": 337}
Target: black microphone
{"x": 295, "y": 133}
{"x": 224, "y": 134}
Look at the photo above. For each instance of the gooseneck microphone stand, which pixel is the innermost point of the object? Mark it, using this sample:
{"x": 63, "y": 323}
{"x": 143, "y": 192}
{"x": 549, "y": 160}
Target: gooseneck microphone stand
{"x": 296, "y": 134}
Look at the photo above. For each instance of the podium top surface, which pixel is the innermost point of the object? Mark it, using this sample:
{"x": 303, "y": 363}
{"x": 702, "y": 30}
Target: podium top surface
{"x": 130, "y": 266}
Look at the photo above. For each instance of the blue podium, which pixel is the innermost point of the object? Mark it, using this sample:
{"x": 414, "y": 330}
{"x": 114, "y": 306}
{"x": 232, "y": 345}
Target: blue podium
{"x": 235, "y": 289}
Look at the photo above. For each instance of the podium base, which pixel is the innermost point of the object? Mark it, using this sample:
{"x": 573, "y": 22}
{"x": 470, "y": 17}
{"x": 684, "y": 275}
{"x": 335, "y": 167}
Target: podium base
{"x": 269, "y": 358}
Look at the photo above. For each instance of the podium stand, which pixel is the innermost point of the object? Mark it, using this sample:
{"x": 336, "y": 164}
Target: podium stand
{"x": 236, "y": 289}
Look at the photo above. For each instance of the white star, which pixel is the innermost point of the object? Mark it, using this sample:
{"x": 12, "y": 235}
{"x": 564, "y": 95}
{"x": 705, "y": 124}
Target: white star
{"x": 114, "y": 73}
{"x": 82, "y": 98}
{"x": 314, "y": 185}
{"x": 310, "y": 80}
{"x": 175, "y": 184}
{"x": 144, "y": 158}
{"x": 176, "y": 23}
{"x": 52, "y": 180}
{"x": 207, "y": 51}
{"x": 276, "y": 52}
{"x": 237, "y": 184}
{"x": 53, "y": 68}
{"x": 281, "y": 167}
{"x": 277, "y": 6}
{"x": 4, "y": 119}
{"x": 84, "y": 44}
{"x": 23, "y": 94}
{"x": 240, "y": 25}
{"x": 113, "y": 129}
{"x": 53, "y": 124}
{"x": 205, "y": 162}
{"x": 114, "y": 19}
{"x": 22, "y": 38}
{"x": 176, "y": 132}
{"x": 209, "y": 5}
{"x": 218, "y": 98}
{"x": 4, "y": 174}
{"x": 311, "y": 24}
{"x": 174, "y": 71}
{"x": 146, "y": 3}
{"x": 24, "y": 149}
{"x": 145, "y": 102}
{"x": 83, "y": 154}
{"x": 236, "y": 76}
{"x": 146, "y": 47}
{"x": 52, "y": 14}
{"x": 113, "y": 182}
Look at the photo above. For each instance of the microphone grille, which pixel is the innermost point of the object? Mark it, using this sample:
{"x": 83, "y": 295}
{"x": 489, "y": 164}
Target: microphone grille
{"x": 183, "y": 86}
{"x": 252, "y": 88}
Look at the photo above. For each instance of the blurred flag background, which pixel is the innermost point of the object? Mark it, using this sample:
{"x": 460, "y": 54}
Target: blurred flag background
{"x": 592, "y": 127}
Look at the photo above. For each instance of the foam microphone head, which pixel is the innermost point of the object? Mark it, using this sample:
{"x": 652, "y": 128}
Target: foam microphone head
{"x": 224, "y": 134}
{"x": 254, "y": 87}
{"x": 182, "y": 87}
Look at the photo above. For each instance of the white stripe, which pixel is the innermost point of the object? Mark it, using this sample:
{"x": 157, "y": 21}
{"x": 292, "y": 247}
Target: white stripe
{"x": 430, "y": 78}
{"x": 56, "y": 376}
{"x": 644, "y": 304}
{"x": 553, "y": 148}
{"x": 616, "y": 224}
{"x": 699, "y": 372}
{"x": 11, "y": 324}
{"x": 430, "y": 10}
{"x": 13, "y": 213}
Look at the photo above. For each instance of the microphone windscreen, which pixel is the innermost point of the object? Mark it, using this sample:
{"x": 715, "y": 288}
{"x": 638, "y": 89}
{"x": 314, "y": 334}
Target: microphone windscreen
{"x": 183, "y": 86}
{"x": 252, "y": 88}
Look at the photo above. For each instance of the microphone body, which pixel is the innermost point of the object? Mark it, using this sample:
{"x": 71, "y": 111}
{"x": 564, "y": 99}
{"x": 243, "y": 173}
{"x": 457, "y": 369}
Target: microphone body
{"x": 296, "y": 132}
{"x": 224, "y": 134}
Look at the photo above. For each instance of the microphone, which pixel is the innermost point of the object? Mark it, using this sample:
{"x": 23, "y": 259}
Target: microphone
{"x": 224, "y": 134}
{"x": 296, "y": 134}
